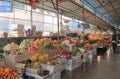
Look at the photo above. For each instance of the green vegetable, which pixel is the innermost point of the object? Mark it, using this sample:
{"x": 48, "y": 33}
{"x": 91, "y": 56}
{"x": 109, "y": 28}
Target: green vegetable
{"x": 47, "y": 46}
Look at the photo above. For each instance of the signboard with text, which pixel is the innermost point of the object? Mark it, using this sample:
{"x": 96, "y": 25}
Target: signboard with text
{"x": 6, "y": 6}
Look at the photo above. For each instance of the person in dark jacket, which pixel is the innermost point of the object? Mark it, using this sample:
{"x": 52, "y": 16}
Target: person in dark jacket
{"x": 115, "y": 41}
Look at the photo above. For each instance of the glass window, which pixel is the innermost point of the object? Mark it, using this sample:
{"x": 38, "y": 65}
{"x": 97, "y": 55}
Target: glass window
{"x": 54, "y": 28}
{"x": 37, "y": 17}
{"x": 22, "y": 14}
{"x": 39, "y": 26}
{"x": 48, "y": 19}
{"x": 54, "y": 20}
{"x": 5, "y": 24}
{"x": 5, "y": 14}
{"x": 23, "y": 22}
{"x": 48, "y": 27}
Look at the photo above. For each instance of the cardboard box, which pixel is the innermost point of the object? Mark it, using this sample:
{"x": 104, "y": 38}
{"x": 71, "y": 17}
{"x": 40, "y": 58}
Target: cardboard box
{"x": 56, "y": 75}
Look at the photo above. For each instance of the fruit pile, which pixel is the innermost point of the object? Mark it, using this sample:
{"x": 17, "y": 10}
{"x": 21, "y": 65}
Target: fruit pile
{"x": 93, "y": 37}
{"x": 47, "y": 46}
{"x": 39, "y": 57}
{"x": 67, "y": 38}
{"x": 45, "y": 43}
{"x": 75, "y": 50}
{"x": 74, "y": 41}
{"x": 14, "y": 52}
{"x": 11, "y": 46}
{"x": 7, "y": 73}
{"x": 40, "y": 42}
{"x": 24, "y": 45}
{"x": 65, "y": 53}
{"x": 88, "y": 46}
{"x": 56, "y": 42}
{"x": 37, "y": 42}
{"x": 33, "y": 48}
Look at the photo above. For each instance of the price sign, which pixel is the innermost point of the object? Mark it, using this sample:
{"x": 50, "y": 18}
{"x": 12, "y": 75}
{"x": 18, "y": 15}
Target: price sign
{"x": 20, "y": 65}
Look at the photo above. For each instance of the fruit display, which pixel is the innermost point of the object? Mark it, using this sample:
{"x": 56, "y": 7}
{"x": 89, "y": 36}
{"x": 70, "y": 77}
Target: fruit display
{"x": 45, "y": 43}
{"x": 37, "y": 42}
{"x": 40, "y": 42}
{"x": 14, "y": 52}
{"x": 75, "y": 50}
{"x": 65, "y": 53}
{"x": 11, "y": 46}
{"x": 88, "y": 46}
{"x": 39, "y": 57}
{"x": 33, "y": 48}
{"x": 93, "y": 37}
{"x": 24, "y": 45}
{"x": 7, "y": 73}
{"x": 47, "y": 46}
{"x": 56, "y": 42}
{"x": 74, "y": 41}
{"x": 67, "y": 38}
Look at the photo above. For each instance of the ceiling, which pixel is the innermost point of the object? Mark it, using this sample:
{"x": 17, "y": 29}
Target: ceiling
{"x": 109, "y": 9}
{"x": 107, "y": 12}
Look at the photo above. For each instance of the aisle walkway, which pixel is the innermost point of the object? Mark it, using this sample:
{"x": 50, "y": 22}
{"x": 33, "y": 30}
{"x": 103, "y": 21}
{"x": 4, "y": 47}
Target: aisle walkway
{"x": 105, "y": 67}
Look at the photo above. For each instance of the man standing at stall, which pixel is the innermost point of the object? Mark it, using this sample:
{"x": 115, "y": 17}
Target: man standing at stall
{"x": 115, "y": 41}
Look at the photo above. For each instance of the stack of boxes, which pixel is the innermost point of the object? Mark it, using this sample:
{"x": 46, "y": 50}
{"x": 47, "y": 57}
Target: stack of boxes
{"x": 17, "y": 30}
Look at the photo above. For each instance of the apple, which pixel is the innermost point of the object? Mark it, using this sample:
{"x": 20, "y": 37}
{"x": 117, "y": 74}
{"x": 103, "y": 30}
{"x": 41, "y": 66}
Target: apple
{"x": 66, "y": 38}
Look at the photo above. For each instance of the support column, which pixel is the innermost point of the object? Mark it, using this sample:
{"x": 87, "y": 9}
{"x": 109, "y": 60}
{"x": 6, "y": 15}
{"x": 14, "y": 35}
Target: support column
{"x": 31, "y": 17}
{"x": 57, "y": 5}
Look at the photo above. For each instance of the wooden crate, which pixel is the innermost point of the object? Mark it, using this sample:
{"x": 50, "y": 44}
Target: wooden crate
{"x": 12, "y": 60}
{"x": 51, "y": 52}
{"x": 2, "y": 62}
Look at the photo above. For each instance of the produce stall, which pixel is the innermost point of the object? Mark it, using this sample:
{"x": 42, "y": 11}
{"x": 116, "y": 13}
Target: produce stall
{"x": 45, "y": 58}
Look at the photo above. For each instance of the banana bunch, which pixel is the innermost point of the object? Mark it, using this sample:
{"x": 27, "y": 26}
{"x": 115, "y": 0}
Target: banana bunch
{"x": 35, "y": 57}
{"x": 44, "y": 57}
{"x": 39, "y": 57}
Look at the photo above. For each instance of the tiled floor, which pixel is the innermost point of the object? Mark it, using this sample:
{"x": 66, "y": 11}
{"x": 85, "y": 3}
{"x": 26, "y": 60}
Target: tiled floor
{"x": 102, "y": 67}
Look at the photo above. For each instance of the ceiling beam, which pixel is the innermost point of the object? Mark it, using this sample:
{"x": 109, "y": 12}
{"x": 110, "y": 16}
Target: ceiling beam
{"x": 105, "y": 10}
{"x": 105, "y": 4}
{"x": 114, "y": 9}
{"x": 110, "y": 11}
